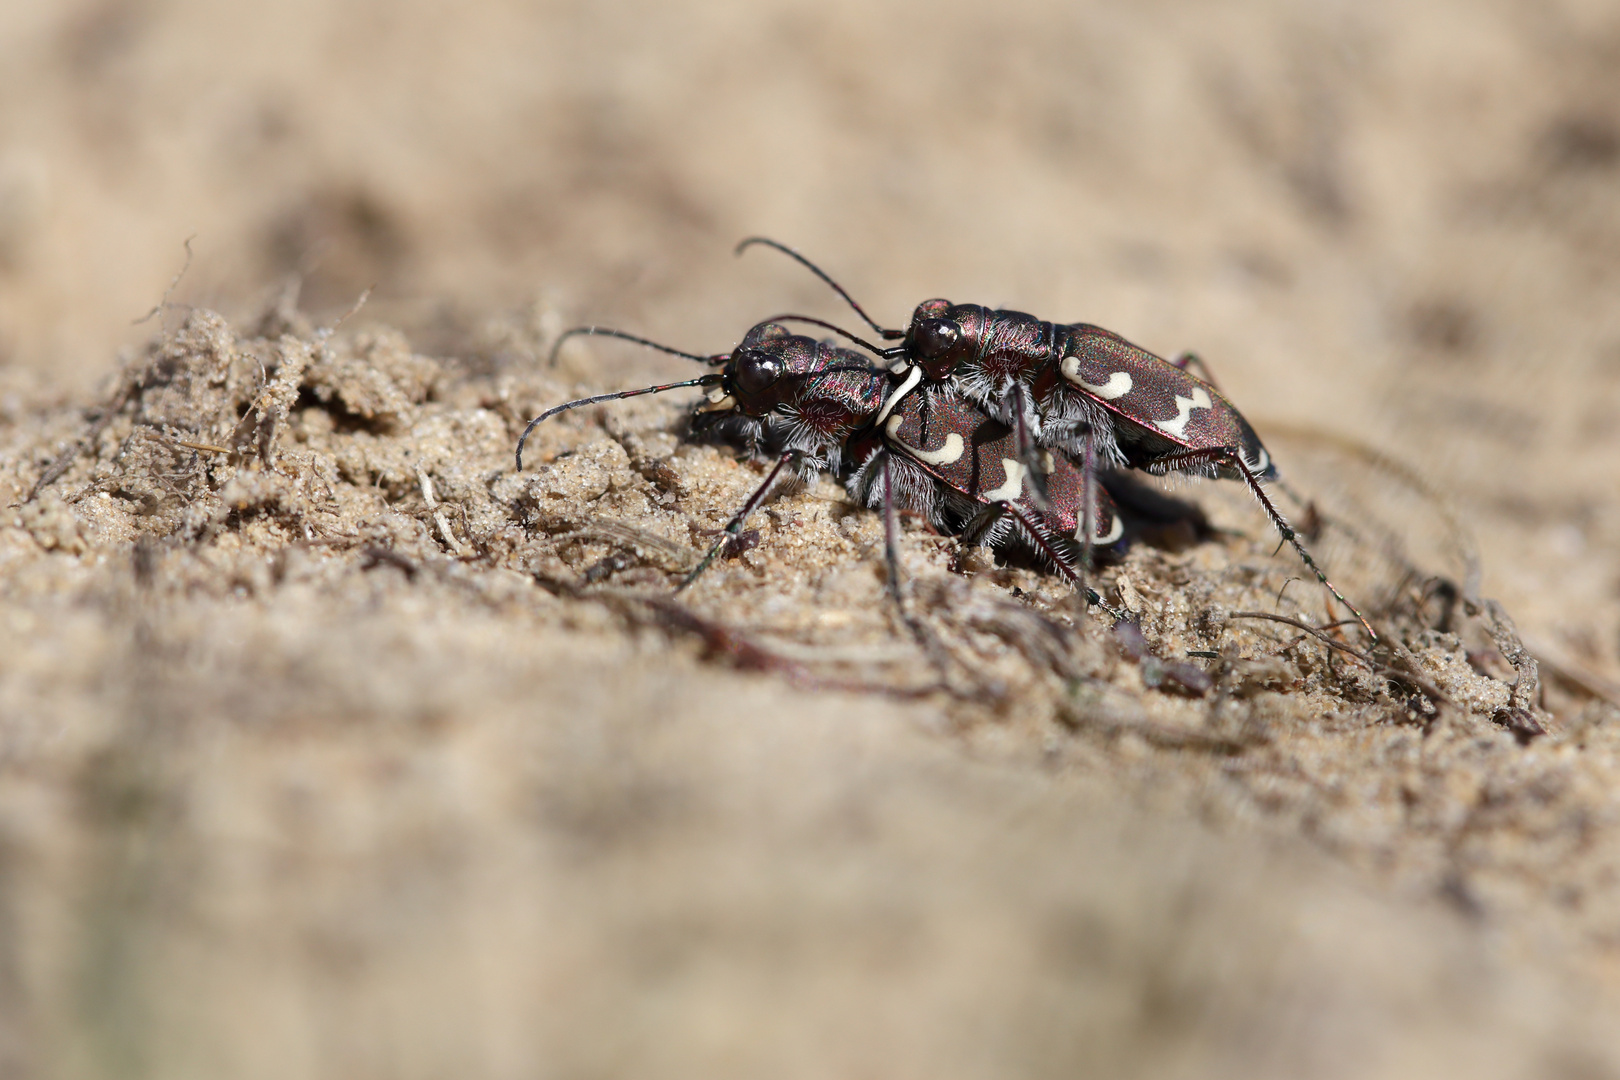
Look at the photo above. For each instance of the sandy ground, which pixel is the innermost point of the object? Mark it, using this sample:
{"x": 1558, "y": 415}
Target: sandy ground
{"x": 333, "y": 746}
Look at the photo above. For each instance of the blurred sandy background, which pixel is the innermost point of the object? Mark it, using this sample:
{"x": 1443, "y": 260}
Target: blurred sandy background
{"x": 1396, "y": 222}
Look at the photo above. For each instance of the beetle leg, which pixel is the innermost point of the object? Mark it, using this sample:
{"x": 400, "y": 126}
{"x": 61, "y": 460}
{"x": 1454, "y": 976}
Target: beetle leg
{"x": 1088, "y": 502}
{"x": 1040, "y": 541}
{"x": 1187, "y": 357}
{"x": 1028, "y": 452}
{"x": 981, "y": 523}
{"x": 937, "y": 657}
{"x": 1229, "y": 456}
{"x": 739, "y": 519}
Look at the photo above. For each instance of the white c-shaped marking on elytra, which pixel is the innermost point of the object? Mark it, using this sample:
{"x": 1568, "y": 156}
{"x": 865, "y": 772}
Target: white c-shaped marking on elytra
{"x": 1261, "y": 463}
{"x": 1184, "y": 411}
{"x": 948, "y": 454}
{"x": 1118, "y": 384}
{"x": 1114, "y": 533}
{"x": 1014, "y": 487}
{"x": 900, "y": 392}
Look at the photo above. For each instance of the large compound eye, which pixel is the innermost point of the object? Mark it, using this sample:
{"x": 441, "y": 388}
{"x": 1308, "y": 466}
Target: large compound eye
{"x": 935, "y": 337}
{"x": 757, "y": 370}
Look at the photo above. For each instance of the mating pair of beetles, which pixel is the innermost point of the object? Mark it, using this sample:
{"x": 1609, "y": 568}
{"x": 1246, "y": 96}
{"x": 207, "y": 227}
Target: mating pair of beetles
{"x": 992, "y": 424}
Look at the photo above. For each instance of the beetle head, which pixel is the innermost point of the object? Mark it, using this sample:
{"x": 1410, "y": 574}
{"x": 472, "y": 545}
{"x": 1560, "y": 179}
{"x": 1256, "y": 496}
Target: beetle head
{"x": 943, "y": 336}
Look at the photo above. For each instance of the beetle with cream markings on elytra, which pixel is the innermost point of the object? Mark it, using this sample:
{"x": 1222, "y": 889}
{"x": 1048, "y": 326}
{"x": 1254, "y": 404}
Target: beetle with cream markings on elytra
{"x": 822, "y": 408}
{"x": 1078, "y": 388}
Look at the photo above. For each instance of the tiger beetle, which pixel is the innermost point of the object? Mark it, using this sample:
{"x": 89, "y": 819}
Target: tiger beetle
{"x": 1079, "y": 388}
{"x": 822, "y": 408}
{"x": 778, "y": 392}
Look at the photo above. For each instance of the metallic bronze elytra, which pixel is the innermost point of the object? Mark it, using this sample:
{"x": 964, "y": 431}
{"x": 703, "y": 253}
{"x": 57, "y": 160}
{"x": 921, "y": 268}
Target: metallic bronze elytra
{"x": 1079, "y": 388}
{"x": 974, "y": 455}
{"x": 962, "y": 469}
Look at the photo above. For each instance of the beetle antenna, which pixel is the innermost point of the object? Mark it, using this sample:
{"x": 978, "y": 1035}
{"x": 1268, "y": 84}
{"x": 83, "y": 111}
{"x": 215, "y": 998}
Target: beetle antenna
{"x": 604, "y": 331}
{"x": 841, "y": 332}
{"x": 702, "y": 380}
{"x": 888, "y": 335}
